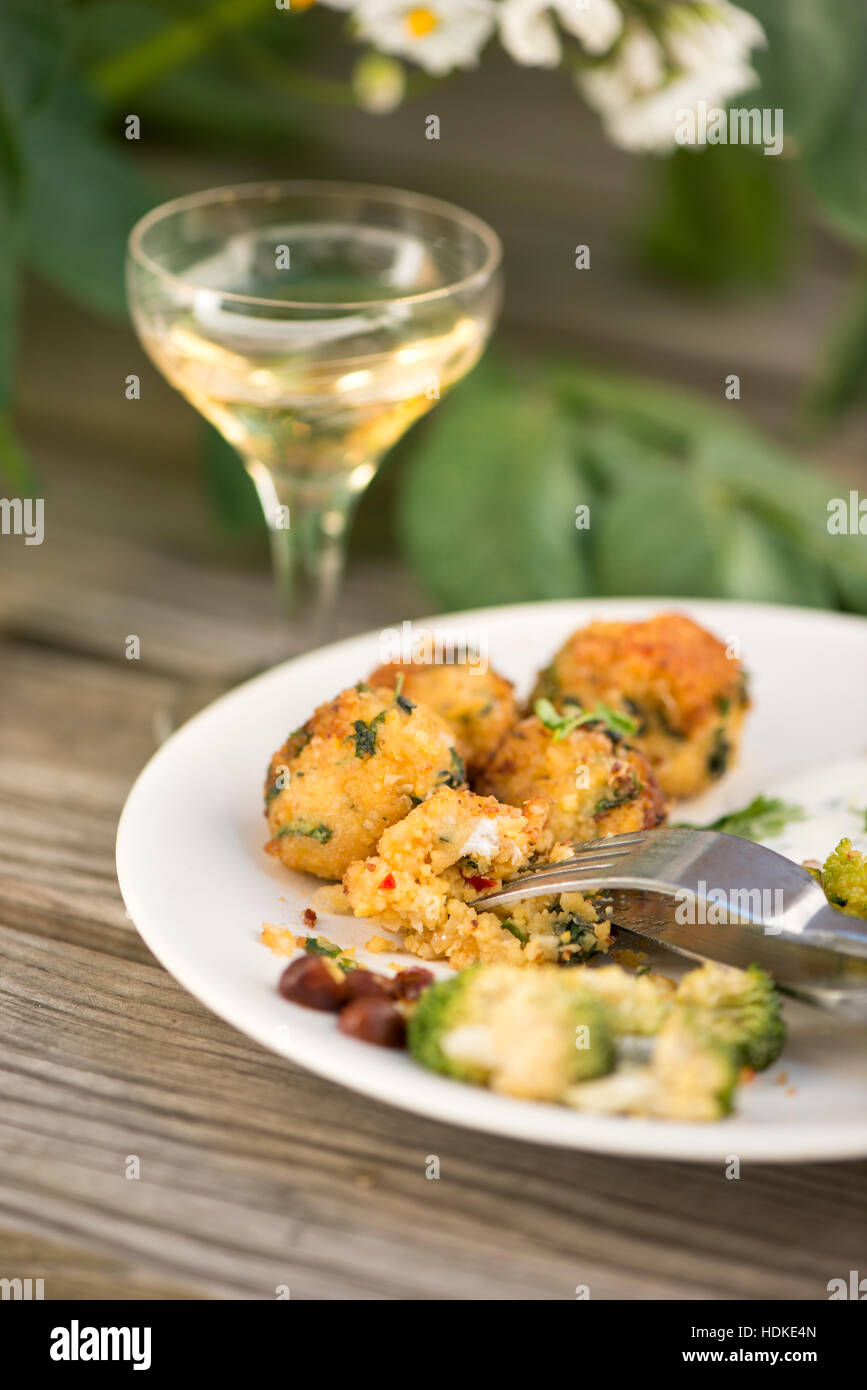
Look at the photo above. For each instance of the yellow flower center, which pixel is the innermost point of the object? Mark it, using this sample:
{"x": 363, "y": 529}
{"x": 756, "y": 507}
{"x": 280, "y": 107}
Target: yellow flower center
{"x": 420, "y": 22}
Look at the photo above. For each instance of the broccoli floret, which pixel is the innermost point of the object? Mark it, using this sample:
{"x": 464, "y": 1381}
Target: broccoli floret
{"x": 691, "y": 1076}
{"x": 635, "y": 1003}
{"x": 442, "y": 1008}
{"x": 695, "y": 1070}
{"x": 844, "y": 879}
{"x": 525, "y": 1032}
{"x": 738, "y": 1007}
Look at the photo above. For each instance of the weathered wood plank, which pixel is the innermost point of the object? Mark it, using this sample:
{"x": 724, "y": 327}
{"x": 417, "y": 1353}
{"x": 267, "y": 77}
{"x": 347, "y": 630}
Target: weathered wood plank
{"x": 254, "y": 1173}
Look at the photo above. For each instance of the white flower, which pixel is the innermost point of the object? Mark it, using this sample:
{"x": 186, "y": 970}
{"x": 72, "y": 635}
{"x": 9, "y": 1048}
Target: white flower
{"x": 718, "y": 33}
{"x": 529, "y": 34}
{"x": 702, "y": 55}
{"x": 438, "y": 34}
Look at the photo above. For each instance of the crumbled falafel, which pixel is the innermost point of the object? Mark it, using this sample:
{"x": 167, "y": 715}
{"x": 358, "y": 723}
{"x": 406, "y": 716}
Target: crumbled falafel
{"x": 456, "y": 846}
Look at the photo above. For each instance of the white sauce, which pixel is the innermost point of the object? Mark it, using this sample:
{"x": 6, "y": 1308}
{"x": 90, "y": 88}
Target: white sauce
{"x": 834, "y": 801}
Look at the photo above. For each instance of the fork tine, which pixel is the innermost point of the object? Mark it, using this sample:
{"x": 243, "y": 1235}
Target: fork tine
{"x": 590, "y": 859}
{"x": 549, "y": 871}
{"x": 630, "y": 839}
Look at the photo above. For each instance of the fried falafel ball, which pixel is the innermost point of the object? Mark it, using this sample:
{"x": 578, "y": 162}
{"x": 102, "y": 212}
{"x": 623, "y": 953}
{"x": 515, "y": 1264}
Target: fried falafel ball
{"x": 478, "y": 705}
{"x": 688, "y": 696}
{"x": 359, "y": 764}
{"x": 594, "y": 783}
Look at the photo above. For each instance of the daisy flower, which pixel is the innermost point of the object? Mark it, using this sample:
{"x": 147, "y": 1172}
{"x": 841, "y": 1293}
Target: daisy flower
{"x": 437, "y": 34}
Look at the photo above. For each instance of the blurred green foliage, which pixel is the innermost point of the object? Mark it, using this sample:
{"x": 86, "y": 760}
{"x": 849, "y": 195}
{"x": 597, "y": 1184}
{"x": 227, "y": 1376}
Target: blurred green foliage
{"x": 684, "y": 499}
{"x": 723, "y": 215}
{"x": 734, "y": 513}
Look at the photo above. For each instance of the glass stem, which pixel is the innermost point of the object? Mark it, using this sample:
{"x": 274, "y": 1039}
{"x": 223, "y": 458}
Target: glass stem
{"x": 308, "y": 520}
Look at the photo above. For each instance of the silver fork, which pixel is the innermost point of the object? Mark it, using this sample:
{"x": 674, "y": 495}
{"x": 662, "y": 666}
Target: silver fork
{"x": 665, "y": 884}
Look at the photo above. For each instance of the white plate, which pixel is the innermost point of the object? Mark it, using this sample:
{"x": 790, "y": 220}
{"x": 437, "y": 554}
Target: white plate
{"x": 198, "y": 887}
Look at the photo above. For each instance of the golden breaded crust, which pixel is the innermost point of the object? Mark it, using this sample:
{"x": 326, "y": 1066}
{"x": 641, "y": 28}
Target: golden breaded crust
{"x": 360, "y": 763}
{"x": 688, "y": 696}
{"x": 668, "y": 657}
{"x": 478, "y": 706}
{"x": 594, "y": 783}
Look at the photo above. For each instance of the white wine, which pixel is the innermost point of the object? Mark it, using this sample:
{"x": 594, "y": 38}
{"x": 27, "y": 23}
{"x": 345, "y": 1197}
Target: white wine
{"x": 318, "y": 392}
{"x": 312, "y": 324}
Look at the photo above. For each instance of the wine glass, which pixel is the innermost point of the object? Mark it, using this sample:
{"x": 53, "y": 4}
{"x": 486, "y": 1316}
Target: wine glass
{"x": 312, "y": 323}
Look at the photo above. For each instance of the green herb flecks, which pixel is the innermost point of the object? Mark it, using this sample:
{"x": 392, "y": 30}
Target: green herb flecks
{"x": 365, "y": 735}
{"x": 304, "y": 734}
{"x": 763, "y": 818}
{"x": 399, "y": 697}
{"x": 620, "y": 797}
{"x": 458, "y": 775}
{"x": 322, "y": 833}
{"x": 718, "y": 759}
{"x": 321, "y": 946}
{"x": 513, "y": 927}
{"x": 578, "y": 940}
{"x": 561, "y": 725}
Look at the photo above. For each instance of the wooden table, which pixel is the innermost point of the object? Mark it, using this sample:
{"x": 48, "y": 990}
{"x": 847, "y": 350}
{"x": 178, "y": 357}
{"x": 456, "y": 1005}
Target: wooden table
{"x": 254, "y": 1173}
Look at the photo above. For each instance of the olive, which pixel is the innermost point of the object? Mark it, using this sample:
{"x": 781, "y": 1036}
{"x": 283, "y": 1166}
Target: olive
{"x": 373, "y": 1018}
{"x": 308, "y": 981}
{"x": 408, "y": 984}
{"x": 365, "y": 982}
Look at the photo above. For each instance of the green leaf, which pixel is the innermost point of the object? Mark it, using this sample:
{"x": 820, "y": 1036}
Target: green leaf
{"x": 837, "y": 172}
{"x": 561, "y": 725}
{"x": 661, "y": 537}
{"x": 31, "y": 53}
{"x": 761, "y": 565}
{"x": 809, "y": 63}
{"x": 174, "y": 45}
{"x": 663, "y": 440}
{"x": 764, "y": 817}
{"x": 211, "y": 96}
{"x": 721, "y": 217}
{"x": 32, "y": 36}
{"x": 8, "y": 298}
{"x": 85, "y": 196}
{"x": 15, "y": 467}
{"x": 834, "y": 156}
{"x": 793, "y": 499}
{"x": 487, "y": 513}
{"x": 230, "y": 488}
{"x": 843, "y": 383}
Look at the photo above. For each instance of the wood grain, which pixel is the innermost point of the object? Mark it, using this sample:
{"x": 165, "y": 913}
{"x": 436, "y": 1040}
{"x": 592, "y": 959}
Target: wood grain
{"x": 254, "y": 1173}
